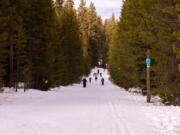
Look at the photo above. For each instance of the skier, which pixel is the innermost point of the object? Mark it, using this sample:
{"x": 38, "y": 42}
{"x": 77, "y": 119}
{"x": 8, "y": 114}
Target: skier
{"x": 84, "y": 82}
{"x": 90, "y": 79}
{"x": 96, "y": 78}
{"x": 98, "y": 71}
{"x": 100, "y": 74}
{"x": 102, "y": 81}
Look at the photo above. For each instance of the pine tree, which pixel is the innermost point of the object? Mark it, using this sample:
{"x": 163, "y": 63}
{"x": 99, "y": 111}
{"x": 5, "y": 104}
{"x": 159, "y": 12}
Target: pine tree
{"x": 60, "y": 73}
{"x": 96, "y": 34}
{"x": 83, "y": 16}
{"x": 121, "y": 59}
{"x": 86, "y": 54}
{"x": 4, "y": 6}
{"x": 177, "y": 47}
{"x": 146, "y": 25}
{"x": 101, "y": 44}
{"x": 39, "y": 22}
{"x": 110, "y": 27}
{"x": 71, "y": 44}
{"x": 13, "y": 42}
{"x": 92, "y": 33}
{"x": 46, "y": 45}
{"x": 83, "y": 25}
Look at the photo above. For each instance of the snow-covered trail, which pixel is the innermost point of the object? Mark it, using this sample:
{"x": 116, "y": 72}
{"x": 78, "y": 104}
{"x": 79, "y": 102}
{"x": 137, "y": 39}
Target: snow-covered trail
{"x": 73, "y": 110}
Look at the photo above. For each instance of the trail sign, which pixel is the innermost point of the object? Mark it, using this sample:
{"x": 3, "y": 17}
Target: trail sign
{"x": 148, "y": 61}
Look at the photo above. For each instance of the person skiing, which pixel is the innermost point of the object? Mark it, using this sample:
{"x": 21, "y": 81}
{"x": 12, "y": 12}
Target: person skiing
{"x": 102, "y": 81}
{"x": 100, "y": 74}
{"x": 98, "y": 71}
{"x": 84, "y": 82}
{"x": 90, "y": 79}
{"x": 96, "y": 78}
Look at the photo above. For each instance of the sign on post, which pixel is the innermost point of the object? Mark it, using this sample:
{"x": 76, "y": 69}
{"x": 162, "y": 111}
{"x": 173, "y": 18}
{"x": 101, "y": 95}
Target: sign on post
{"x": 148, "y": 62}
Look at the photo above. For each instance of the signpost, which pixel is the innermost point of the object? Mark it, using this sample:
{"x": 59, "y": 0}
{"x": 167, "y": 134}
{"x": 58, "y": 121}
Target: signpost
{"x": 148, "y": 63}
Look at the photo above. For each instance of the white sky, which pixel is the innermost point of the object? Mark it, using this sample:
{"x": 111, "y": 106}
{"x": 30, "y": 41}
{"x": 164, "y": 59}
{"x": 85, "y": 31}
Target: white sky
{"x": 105, "y": 8}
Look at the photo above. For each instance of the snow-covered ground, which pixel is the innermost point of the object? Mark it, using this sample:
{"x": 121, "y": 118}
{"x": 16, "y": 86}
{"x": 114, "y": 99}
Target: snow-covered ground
{"x": 95, "y": 110}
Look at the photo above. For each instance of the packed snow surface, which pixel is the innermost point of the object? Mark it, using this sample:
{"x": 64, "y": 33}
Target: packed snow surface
{"x": 95, "y": 110}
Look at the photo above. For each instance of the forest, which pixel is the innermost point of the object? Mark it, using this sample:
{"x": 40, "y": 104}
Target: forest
{"x": 148, "y": 28}
{"x": 46, "y": 44}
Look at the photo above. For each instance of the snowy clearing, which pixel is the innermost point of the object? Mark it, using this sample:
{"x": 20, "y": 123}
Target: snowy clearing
{"x": 95, "y": 110}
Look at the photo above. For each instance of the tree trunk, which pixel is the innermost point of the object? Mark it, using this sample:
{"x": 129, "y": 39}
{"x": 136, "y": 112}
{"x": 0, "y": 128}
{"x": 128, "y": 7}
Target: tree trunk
{"x": 11, "y": 64}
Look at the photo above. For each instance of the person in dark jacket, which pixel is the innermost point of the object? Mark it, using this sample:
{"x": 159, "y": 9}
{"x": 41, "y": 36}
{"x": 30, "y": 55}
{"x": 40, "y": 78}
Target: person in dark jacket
{"x": 84, "y": 82}
{"x": 96, "y": 78}
{"x": 102, "y": 81}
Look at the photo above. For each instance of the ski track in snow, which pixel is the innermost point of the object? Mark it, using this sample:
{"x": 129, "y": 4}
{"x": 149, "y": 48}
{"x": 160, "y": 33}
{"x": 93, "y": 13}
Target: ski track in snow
{"x": 95, "y": 110}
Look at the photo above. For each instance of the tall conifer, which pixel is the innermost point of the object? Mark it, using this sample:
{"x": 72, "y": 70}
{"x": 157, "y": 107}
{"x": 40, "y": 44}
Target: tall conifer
{"x": 83, "y": 25}
{"x": 39, "y": 32}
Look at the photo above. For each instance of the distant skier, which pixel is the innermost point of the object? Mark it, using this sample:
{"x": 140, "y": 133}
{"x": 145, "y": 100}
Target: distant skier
{"x": 90, "y": 79}
{"x": 96, "y": 78}
{"x": 98, "y": 71}
{"x": 84, "y": 82}
{"x": 102, "y": 81}
{"x": 100, "y": 74}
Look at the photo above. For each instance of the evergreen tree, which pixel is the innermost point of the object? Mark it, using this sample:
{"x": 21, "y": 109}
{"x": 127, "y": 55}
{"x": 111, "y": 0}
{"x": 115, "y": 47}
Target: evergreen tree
{"x": 146, "y": 25}
{"x": 101, "y": 43}
{"x": 95, "y": 34}
{"x": 83, "y": 17}
{"x": 121, "y": 59}
{"x": 86, "y": 54}
{"x": 45, "y": 44}
{"x": 92, "y": 21}
{"x": 39, "y": 32}
{"x": 4, "y": 6}
{"x": 60, "y": 73}
{"x": 83, "y": 25}
{"x": 110, "y": 27}
{"x": 13, "y": 42}
{"x": 71, "y": 43}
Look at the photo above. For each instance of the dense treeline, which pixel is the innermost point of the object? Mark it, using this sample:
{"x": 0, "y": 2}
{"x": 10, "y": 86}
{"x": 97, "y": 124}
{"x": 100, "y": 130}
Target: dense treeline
{"x": 148, "y": 28}
{"x": 46, "y": 44}
{"x": 110, "y": 29}
{"x": 92, "y": 33}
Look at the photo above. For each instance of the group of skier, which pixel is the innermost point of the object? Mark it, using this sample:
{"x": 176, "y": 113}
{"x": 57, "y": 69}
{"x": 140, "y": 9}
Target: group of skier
{"x": 95, "y": 75}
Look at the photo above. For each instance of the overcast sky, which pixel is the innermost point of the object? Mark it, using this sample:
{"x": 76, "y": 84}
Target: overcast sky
{"x": 105, "y": 8}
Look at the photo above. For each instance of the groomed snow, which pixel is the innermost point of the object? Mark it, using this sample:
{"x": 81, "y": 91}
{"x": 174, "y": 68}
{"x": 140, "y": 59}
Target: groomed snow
{"x": 95, "y": 110}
